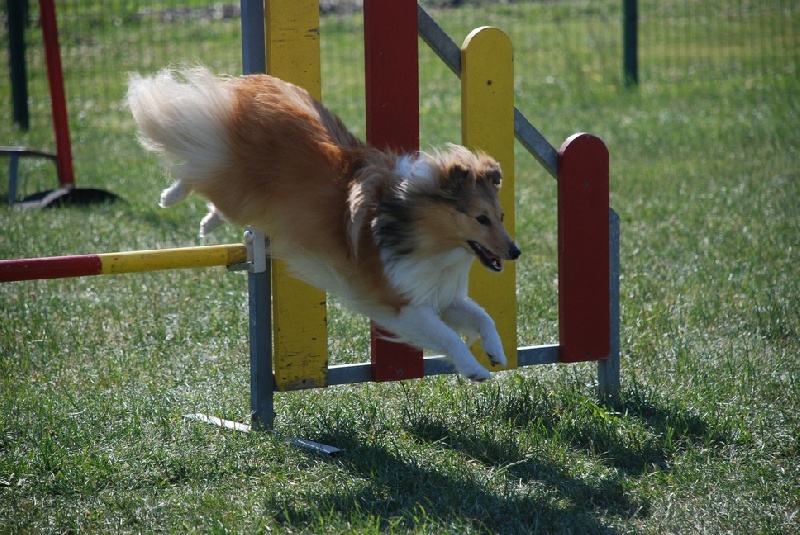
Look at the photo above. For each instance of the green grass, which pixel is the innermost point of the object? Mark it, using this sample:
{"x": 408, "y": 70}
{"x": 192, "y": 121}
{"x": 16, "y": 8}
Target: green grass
{"x": 95, "y": 373}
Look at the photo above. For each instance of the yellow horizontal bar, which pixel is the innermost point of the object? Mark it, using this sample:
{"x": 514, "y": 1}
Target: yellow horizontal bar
{"x": 183, "y": 258}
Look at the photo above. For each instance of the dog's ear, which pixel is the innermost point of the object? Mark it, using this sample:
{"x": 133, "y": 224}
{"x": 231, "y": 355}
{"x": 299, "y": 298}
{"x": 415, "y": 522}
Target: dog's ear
{"x": 493, "y": 174}
{"x": 461, "y": 179}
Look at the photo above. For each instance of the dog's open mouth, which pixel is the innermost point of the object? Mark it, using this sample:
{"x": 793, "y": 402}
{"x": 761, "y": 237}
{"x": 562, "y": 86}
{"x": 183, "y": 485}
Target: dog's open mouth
{"x": 487, "y": 258}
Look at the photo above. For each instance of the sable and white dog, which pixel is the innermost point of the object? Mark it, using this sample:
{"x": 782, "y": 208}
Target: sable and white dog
{"x": 394, "y": 235}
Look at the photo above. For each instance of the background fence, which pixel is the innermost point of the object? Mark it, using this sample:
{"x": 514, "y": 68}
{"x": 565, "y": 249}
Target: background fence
{"x": 682, "y": 44}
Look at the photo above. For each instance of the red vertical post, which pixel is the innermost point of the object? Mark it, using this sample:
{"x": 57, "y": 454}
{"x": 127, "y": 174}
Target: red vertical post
{"x": 66, "y": 177}
{"x": 392, "y": 74}
{"x": 583, "y": 250}
{"x": 392, "y": 98}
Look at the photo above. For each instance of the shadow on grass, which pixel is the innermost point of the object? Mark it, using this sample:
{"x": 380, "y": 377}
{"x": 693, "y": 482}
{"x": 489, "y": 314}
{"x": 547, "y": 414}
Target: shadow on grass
{"x": 515, "y": 457}
{"x": 669, "y": 419}
{"x": 463, "y": 471}
{"x": 637, "y": 433}
{"x": 401, "y": 491}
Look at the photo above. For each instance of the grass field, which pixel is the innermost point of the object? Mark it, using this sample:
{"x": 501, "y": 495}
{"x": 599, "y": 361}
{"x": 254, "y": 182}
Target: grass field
{"x": 95, "y": 373}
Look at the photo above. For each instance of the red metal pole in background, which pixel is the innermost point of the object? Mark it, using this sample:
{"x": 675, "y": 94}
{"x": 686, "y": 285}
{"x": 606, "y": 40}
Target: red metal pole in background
{"x": 66, "y": 177}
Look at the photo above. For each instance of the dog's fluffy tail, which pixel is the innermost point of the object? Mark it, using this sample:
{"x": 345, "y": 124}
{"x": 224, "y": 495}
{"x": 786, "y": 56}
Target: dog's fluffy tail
{"x": 183, "y": 116}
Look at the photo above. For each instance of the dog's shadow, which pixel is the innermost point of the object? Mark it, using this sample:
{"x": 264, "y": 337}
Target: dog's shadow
{"x": 497, "y": 481}
{"x": 507, "y": 484}
{"x": 404, "y": 492}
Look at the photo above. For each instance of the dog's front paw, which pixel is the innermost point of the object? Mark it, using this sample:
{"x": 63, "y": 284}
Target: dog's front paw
{"x": 478, "y": 375}
{"x": 494, "y": 349}
{"x": 471, "y": 368}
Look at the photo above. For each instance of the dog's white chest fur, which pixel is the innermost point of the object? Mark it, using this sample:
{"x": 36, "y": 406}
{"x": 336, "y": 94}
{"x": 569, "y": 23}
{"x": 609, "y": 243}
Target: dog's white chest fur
{"x": 435, "y": 281}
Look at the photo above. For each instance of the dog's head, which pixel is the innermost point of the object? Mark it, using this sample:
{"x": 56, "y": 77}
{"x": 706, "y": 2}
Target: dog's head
{"x": 450, "y": 201}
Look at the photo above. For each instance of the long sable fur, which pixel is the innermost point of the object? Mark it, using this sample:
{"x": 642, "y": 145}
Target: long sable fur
{"x": 385, "y": 231}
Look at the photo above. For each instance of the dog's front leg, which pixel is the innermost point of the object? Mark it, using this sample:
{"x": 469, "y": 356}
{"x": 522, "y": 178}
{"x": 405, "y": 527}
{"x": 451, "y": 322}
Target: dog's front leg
{"x": 424, "y": 327}
{"x": 467, "y": 316}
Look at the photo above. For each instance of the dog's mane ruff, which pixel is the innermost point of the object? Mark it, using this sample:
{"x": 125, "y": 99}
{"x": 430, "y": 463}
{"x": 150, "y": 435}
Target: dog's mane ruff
{"x": 414, "y": 182}
{"x": 361, "y": 200}
{"x": 371, "y": 177}
{"x": 385, "y": 179}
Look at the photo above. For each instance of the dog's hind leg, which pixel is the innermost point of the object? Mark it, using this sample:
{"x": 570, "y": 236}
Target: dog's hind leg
{"x": 211, "y": 221}
{"x": 466, "y": 316}
{"x": 174, "y": 194}
{"x": 423, "y": 327}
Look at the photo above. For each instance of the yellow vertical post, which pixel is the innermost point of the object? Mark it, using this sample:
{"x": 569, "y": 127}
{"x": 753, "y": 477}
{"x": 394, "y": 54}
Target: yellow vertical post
{"x": 300, "y": 332}
{"x": 487, "y": 123}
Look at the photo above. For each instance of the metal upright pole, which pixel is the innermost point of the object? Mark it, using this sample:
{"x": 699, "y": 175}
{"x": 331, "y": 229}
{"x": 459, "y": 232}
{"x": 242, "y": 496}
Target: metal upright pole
{"x": 608, "y": 372}
{"x": 630, "y": 42}
{"x": 254, "y": 52}
{"x": 17, "y": 20}
{"x": 262, "y": 381}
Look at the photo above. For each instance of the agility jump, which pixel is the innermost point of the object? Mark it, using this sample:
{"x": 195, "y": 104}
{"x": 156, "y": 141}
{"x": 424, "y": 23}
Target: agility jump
{"x": 288, "y": 334}
{"x": 588, "y": 229}
{"x": 59, "y": 267}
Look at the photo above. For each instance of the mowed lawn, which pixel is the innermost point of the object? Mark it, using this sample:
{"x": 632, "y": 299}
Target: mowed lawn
{"x": 96, "y": 373}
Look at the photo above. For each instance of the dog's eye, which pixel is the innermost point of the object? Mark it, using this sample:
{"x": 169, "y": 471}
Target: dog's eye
{"x": 483, "y": 219}
{"x": 502, "y": 217}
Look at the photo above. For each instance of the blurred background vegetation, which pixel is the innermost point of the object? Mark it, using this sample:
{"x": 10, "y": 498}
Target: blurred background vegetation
{"x": 683, "y": 45}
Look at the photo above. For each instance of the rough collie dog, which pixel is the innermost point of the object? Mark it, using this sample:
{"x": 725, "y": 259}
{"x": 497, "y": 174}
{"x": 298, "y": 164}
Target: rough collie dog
{"x": 394, "y": 235}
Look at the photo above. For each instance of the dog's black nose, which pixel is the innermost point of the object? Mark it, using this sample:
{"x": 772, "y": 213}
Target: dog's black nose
{"x": 514, "y": 252}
